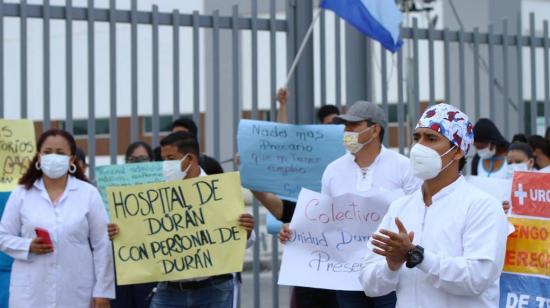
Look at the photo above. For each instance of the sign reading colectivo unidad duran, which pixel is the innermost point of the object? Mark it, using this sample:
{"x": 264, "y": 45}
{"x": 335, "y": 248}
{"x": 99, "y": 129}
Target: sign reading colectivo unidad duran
{"x": 283, "y": 158}
{"x": 178, "y": 230}
{"x": 525, "y": 281}
{"x": 17, "y": 148}
{"x": 329, "y": 239}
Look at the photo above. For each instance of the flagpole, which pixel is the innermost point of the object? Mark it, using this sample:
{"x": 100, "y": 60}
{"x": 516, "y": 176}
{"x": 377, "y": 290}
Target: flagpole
{"x": 302, "y": 47}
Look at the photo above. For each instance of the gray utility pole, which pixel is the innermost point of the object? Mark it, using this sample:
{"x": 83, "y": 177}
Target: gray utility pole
{"x": 358, "y": 66}
{"x": 301, "y": 107}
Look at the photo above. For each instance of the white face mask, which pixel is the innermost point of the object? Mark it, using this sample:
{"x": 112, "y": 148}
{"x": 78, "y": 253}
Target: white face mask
{"x": 426, "y": 162}
{"x": 517, "y": 167}
{"x": 54, "y": 166}
{"x": 351, "y": 140}
{"x": 171, "y": 170}
{"x": 487, "y": 152}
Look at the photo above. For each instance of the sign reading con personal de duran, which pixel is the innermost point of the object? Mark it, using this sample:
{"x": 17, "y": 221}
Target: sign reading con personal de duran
{"x": 178, "y": 230}
{"x": 525, "y": 281}
{"x": 283, "y": 158}
{"x": 329, "y": 239}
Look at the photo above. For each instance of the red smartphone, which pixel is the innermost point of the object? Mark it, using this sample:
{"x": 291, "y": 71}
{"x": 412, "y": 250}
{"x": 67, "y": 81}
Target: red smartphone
{"x": 44, "y": 235}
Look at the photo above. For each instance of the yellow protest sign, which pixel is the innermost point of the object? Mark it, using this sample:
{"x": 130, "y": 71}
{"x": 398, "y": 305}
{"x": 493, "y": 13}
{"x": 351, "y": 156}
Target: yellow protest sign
{"x": 17, "y": 148}
{"x": 178, "y": 230}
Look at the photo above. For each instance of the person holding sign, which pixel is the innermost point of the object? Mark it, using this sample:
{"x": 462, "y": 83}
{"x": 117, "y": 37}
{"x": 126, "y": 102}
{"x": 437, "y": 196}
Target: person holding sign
{"x": 180, "y": 154}
{"x": 450, "y": 235}
{"x": 367, "y": 168}
{"x": 136, "y": 295}
{"x": 70, "y": 262}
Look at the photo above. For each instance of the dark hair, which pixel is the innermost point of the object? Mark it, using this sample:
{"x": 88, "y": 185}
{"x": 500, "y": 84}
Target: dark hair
{"x": 486, "y": 131}
{"x": 381, "y": 135}
{"x": 210, "y": 165}
{"x": 327, "y": 110}
{"x": 547, "y": 135}
{"x": 521, "y": 146}
{"x": 157, "y": 155}
{"x": 538, "y": 142}
{"x": 80, "y": 155}
{"x": 133, "y": 146}
{"x": 188, "y": 124}
{"x": 32, "y": 174}
{"x": 519, "y": 138}
{"x": 184, "y": 141}
{"x": 462, "y": 161}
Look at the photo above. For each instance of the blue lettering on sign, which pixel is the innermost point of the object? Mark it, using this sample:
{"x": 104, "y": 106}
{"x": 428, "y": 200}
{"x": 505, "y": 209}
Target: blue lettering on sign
{"x": 284, "y": 158}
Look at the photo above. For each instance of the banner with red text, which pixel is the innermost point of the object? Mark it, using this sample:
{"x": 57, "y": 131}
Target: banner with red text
{"x": 525, "y": 281}
{"x": 329, "y": 239}
{"x": 531, "y": 194}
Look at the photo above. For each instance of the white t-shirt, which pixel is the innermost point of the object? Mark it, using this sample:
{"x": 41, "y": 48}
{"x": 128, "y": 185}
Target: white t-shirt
{"x": 501, "y": 173}
{"x": 545, "y": 169}
{"x": 389, "y": 171}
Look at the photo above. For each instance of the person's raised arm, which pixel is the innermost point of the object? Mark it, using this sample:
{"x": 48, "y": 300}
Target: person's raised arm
{"x": 282, "y": 98}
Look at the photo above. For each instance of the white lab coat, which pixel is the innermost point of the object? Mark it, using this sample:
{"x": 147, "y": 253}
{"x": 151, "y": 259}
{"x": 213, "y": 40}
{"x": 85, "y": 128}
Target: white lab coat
{"x": 81, "y": 265}
{"x": 463, "y": 233}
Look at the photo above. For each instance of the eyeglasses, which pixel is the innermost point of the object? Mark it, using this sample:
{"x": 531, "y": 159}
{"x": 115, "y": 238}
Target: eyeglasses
{"x": 137, "y": 159}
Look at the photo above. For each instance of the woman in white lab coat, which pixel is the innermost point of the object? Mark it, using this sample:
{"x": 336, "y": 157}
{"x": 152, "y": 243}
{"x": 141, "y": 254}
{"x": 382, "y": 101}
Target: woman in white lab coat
{"x": 76, "y": 269}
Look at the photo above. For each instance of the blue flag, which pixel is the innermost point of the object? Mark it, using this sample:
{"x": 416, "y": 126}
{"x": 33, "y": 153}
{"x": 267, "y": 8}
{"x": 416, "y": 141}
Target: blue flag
{"x": 377, "y": 19}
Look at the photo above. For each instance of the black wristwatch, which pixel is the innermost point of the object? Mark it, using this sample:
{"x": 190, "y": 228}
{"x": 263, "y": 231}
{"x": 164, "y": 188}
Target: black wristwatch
{"x": 415, "y": 256}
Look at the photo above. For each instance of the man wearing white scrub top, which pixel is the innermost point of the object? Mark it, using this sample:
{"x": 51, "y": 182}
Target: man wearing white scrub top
{"x": 443, "y": 245}
{"x": 367, "y": 168}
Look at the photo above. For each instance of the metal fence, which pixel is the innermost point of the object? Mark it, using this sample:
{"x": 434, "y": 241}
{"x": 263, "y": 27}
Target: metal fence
{"x": 483, "y": 73}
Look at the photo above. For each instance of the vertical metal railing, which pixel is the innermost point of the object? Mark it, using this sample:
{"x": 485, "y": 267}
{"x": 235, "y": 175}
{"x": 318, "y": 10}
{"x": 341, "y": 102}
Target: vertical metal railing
{"x": 46, "y": 63}
{"x": 134, "y": 72}
{"x": 176, "y": 63}
{"x": 546, "y": 80}
{"x": 533, "y": 58}
{"x": 447, "y": 65}
{"x": 155, "y": 121}
{"x": 477, "y": 85}
{"x": 113, "y": 123}
{"x": 506, "y": 80}
{"x": 69, "y": 66}
{"x": 24, "y": 58}
{"x": 491, "y": 52}
{"x": 519, "y": 61}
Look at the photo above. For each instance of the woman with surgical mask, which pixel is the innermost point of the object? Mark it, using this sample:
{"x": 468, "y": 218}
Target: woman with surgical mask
{"x": 520, "y": 158}
{"x": 492, "y": 147}
{"x": 70, "y": 262}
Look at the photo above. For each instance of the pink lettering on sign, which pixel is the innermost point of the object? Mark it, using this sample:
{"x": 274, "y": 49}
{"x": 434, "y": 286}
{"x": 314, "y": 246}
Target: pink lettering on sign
{"x": 348, "y": 212}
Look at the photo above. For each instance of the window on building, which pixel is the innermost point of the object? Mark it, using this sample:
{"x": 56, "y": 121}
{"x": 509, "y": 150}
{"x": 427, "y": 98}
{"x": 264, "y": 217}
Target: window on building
{"x": 165, "y": 123}
{"x": 80, "y": 127}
